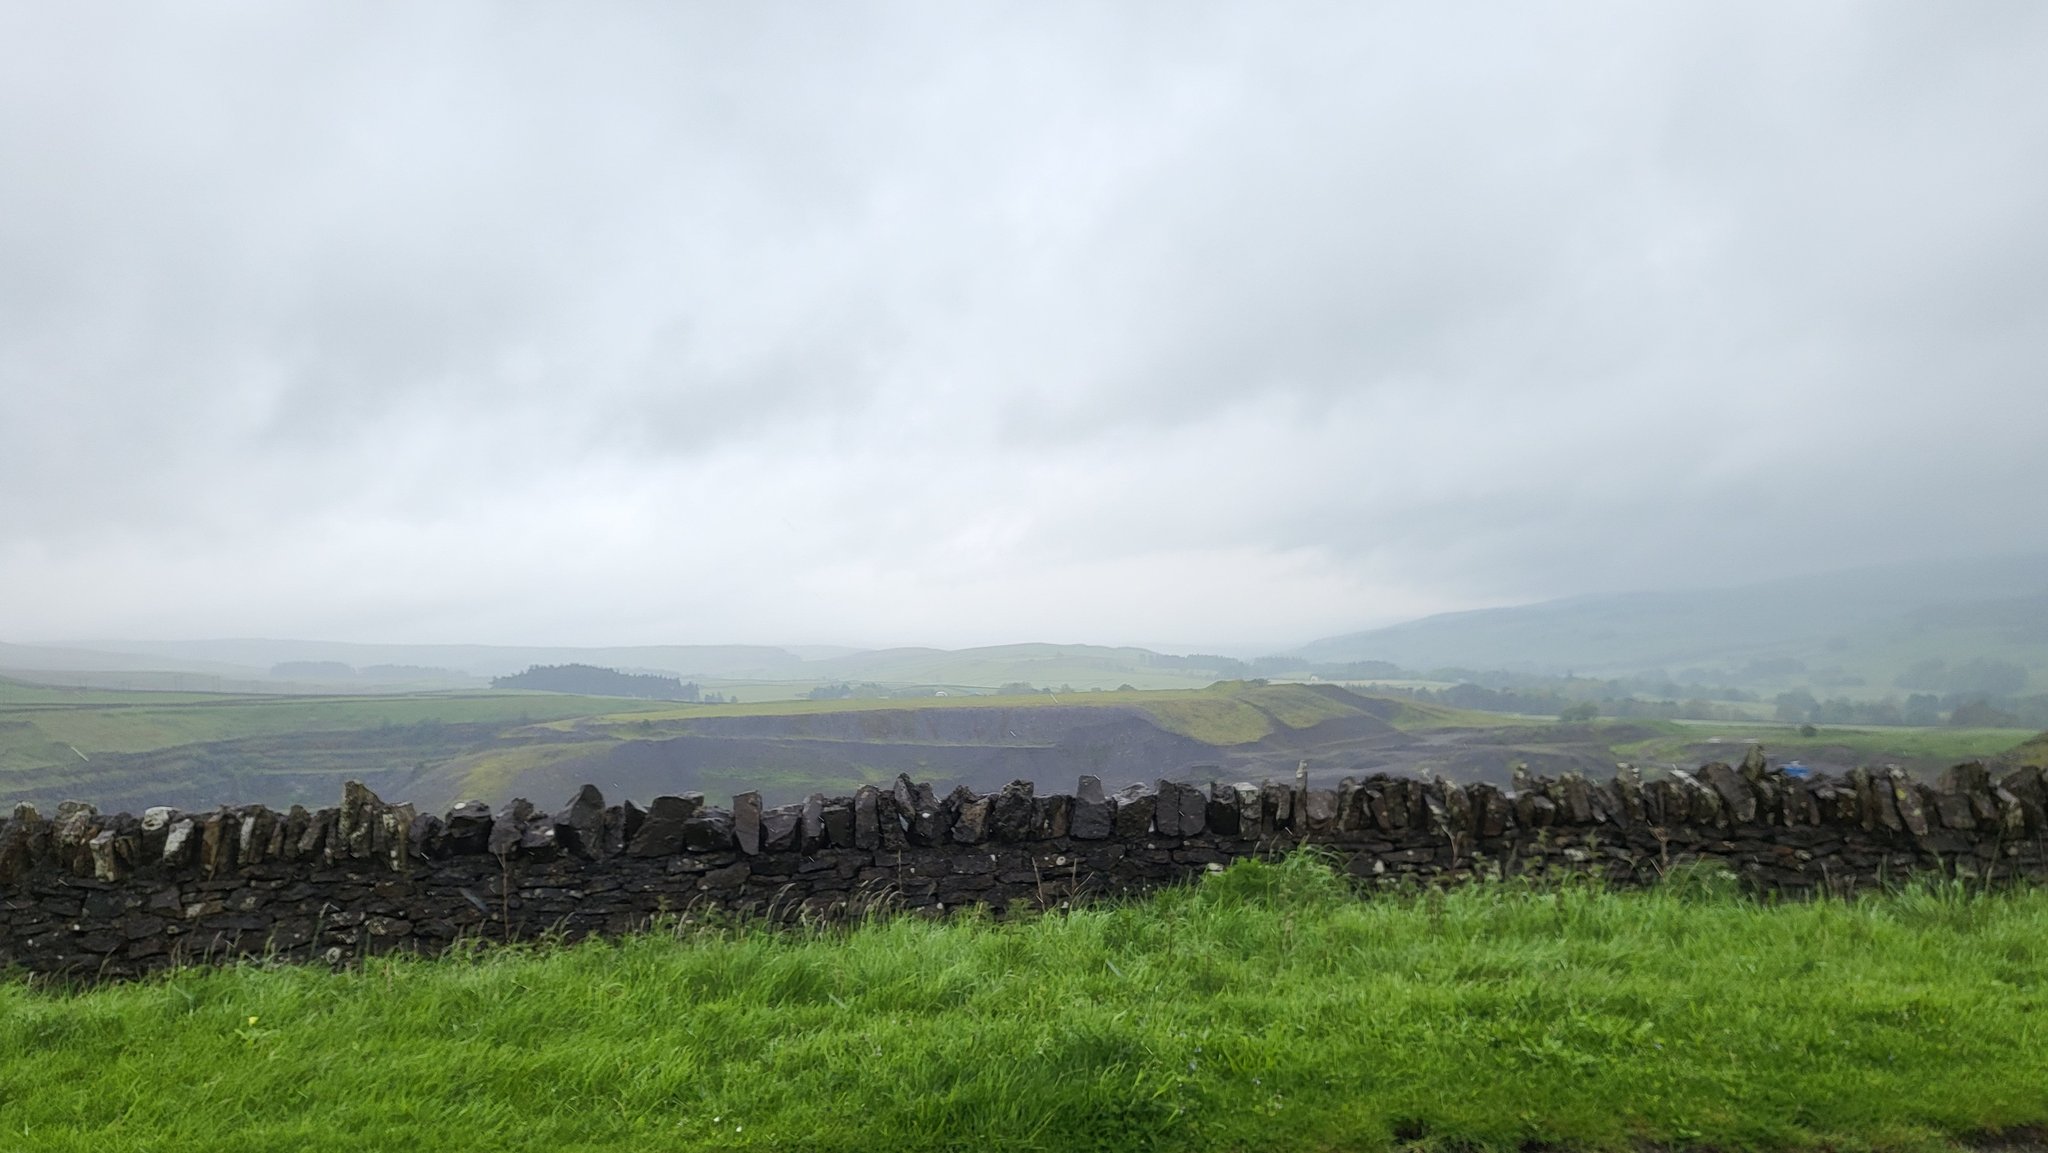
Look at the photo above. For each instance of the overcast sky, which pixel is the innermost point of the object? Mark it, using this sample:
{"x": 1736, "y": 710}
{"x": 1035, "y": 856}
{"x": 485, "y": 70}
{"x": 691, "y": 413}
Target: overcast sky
{"x": 1171, "y": 324}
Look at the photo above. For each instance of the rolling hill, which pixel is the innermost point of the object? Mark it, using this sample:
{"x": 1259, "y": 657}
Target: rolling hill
{"x": 1848, "y": 631}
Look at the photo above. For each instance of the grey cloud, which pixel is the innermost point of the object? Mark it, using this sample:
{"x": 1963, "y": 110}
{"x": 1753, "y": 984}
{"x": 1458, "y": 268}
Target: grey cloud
{"x": 903, "y": 311}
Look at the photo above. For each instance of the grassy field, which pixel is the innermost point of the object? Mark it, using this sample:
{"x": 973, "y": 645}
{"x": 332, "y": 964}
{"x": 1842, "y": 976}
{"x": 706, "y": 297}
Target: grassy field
{"x": 1685, "y": 741}
{"x": 111, "y": 721}
{"x": 1229, "y": 713}
{"x": 37, "y": 719}
{"x": 1264, "y": 1009}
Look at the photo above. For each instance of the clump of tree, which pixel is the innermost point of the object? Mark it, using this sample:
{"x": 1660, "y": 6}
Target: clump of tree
{"x": 852, "y": 691}
{"x": 1026, "y": 688}
{"x": 1962, "y": 710}
{"x": 1570, "y": 698}
{"x": 592, "y": 681}
{"x": 1981, "y": 677}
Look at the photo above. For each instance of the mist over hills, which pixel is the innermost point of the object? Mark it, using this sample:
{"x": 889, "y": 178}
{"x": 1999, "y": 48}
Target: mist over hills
{"x": 252, "y": 664}
{"x": 1871, "y": 624}
{"x": 1864, "y": 631}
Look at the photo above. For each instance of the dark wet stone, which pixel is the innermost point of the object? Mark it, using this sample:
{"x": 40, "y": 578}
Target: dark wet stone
{"x": 468, "y": 828}
{"x": 1221, "y": 816}
{"x": 1458, "y": 807}
{"x": 929, "y": 820}
{"x": 746, "y": 822}
{"x": 579, "y": 827}
{"x": 1250, "y": 806}
{"x": 1055, "y": 816}
{"x": 1134, "y": 808}
{"x": 621, "y": 824}
{"x": 538, "y": 840}
{"x": 867, "y": 817}
{"x": 1278, "y": 802}
{"x": 814, "y": 822}
{"x": 1390, "y": 804}
{"x": 970, "y": 826}
{"x": 504, "y": 838}
{"x": 1575, "y": 799}
{"x": 1320, "y": 807}
{"x": 708, "y": 831}
{"x": 1737, "y": 795}
{"x": 838, "y": 820}
{"x": 1491, "y": 811}
{"x": 779, "y": 828}
{"x": 661, "y": 832}
{"x": 1013, "y": 811}
{"x": 427, "y": 838}
{"x": 1094, "y": 818}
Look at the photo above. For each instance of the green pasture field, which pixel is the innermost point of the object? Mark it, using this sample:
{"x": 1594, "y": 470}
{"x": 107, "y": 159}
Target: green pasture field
{"x": 1266, "y": 1008}
{"x": 1232, "y": 712}
{"x": 1683, "y": 741}
{"x": 35, "y": 717}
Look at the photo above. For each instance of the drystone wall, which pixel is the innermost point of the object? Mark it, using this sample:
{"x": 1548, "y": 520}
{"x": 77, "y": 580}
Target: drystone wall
{"x": 90, "y": 896}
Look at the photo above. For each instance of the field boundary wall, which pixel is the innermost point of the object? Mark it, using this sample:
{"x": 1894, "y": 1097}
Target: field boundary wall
{"x": 91, "y": 896}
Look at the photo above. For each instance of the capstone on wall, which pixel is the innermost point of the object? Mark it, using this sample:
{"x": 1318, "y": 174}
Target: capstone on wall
{"x": 93, "y": 896}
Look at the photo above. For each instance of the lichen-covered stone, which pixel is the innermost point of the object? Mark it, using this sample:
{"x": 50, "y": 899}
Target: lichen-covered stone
{"x": 1055, "y": 816}
{"x": 1134, "y": 808}
{"x": 1732, "y": 787}
{"x": 1250, "y": 809}
{"x": 970, "y": 824}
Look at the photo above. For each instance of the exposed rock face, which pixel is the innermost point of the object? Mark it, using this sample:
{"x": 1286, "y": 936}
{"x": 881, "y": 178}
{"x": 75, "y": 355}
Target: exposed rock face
{"x": 98, "y": 895}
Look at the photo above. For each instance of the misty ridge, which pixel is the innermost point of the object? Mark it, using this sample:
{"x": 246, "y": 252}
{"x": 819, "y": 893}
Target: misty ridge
{"x": 1889, "y": 645}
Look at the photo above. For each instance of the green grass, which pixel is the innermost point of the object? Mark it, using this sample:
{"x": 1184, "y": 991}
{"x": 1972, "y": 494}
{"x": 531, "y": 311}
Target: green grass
{"x": 1265, "y": 1009}
{"x": 37, "y": 721}
{"x": 1683, "y": 741}
{"x": 1232, "y": 712}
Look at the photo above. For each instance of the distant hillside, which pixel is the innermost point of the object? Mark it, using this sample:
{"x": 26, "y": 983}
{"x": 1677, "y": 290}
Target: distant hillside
{"x": 1039, "y": 665}
{"x": 323, "y": 665}
{"x": 1845, "y": 631}
{"x": 254, "y": 657}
